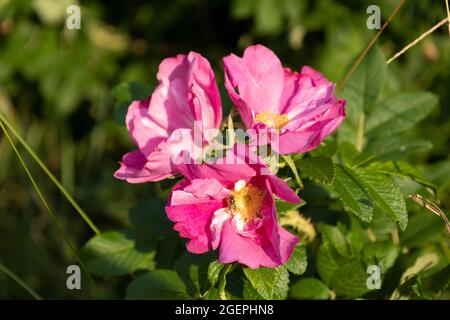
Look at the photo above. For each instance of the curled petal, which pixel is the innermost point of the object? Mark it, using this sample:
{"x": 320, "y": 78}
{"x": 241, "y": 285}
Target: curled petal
{"x": 237, "y": 164}
{"x": 144, "y": 131}
{"x": 187, "y": 95}
{"x": 258, "y": 75}
{"x": 132, "y": 168}
{"x": 310, "y": 134}
{"x": 193, "y": 221}
{"x": 236, "y": 248}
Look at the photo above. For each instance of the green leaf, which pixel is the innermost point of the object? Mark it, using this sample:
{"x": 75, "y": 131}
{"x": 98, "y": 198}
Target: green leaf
{"x": 381, "y": 225}
{"x": 382, "y": 254}
{"x": 423, "y": 227}
{"x": 361, "y": 93}
{"x": 209, "y": 271}
{"x": 346, "y": 276}
{"x": 438, "y": 172}
{"x": 352, "y": 157}
{"x": 335, "y": 237}
{"x": 348, "y": 153}
{"x": 349, "y": 280}
{"x": 298, "y": 261}
{"x": 399, "y": 113}
{"x": 385, "y": 195}
{"x": 271, "y": 284}
{"x": 128, "y": 92}
{"x": 352, "y": 193}
{"x": 364, "y": 87}
{"x": 328, "y": 261}
{"x": 327, "y": 148}
{"x": 356, "y": 237}
{"x": 114, "y": 253}
{"x": 120, "y": 112}
{"x": 283, "y": 206}
{"x": 249, "y": 292}
{"x": 425, "y": 264}
{"x": 396, "y": 148}
{"x": 318, "y": 169}
{"x": 310, "y": 288}
{"x": 401, "y": 169}
{"x": 222, "y": 281}
{"x": 157, "y": 285}
{"x": 434, "y": 286}
{"x": 124, "y": 94}
{"x": 187, "y": 268}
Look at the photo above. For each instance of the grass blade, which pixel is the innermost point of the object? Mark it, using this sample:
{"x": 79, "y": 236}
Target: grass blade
{"x": 19, "y": 281}
{"x": 44, "y": 202}
{"x": 50, "y": 175}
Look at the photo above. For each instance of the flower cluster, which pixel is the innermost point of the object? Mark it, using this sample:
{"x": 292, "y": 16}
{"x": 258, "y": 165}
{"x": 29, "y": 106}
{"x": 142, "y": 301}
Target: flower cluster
{"x": 228, "y": 204}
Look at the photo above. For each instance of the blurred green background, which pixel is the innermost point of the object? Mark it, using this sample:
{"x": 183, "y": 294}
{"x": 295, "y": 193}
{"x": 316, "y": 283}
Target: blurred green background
{"x": 56, "y": 88}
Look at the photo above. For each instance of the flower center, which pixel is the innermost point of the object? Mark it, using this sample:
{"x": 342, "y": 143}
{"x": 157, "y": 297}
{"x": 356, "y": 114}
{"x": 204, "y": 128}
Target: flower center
{"x": 272, "y": 119}
{"x": 246, "y": 200}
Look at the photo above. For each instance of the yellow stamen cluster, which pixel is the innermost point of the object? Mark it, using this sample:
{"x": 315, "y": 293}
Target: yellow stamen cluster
{"x": 272, "y": 119}
{"x": 246, "y": 201}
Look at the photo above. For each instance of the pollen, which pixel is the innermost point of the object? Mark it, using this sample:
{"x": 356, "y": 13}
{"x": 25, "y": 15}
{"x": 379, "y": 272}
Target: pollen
{"x": 246, "y": 200}
{"x": 272, "y": 119}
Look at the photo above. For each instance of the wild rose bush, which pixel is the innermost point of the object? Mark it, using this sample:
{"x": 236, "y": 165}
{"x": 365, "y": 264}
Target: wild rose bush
{"x": 306, "y": 206}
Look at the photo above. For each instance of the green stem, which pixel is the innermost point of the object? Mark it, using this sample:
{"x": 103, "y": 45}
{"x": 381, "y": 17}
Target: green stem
{"x": 50, "y": 175}
{"x": 360, "y": 134}
{"x": 20, "y": 282}
{"x": 291, "y": 165}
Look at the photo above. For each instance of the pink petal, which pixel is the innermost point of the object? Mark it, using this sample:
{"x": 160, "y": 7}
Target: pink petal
{"x": 304, "y": 91}
{"x": 269, "y": 245}
{"x": 332, "y": 119}
{"x": 145, "y": 132}
{"x": 132, "y": 168}
{"x": 219, "y": 218}
{"x": 245, "y": 112}
{"x": 236, "y": 248}
{"x": 195, "y": 207}
{"x": 236, "y": 165}
{"x": 187, "y": 92}
{"x": 210, "y": 188}
{"x": 192, "y": 221}
{"x": 190, "y": 89}
{"x": 296, "y": 142}
{"x": 161, "y": 160}
{"x": 258, "y": 76}
{"x": 312, "y": 133}
{"x": 287, "y": 244}
{"x": 205, "y": 93}
{"x": 282, "y": 189}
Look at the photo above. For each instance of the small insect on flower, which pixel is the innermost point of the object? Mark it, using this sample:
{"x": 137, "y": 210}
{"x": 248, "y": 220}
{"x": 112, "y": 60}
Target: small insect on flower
{"x": 231, "y": 207}
{"x": 231, "y": 203}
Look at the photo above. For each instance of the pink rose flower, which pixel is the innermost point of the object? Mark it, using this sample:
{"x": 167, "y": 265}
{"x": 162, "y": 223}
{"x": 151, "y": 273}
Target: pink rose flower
{"x": 163, "y": 125}
{"x": 296, "y": 110}
{"x": 230, "y": 205}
